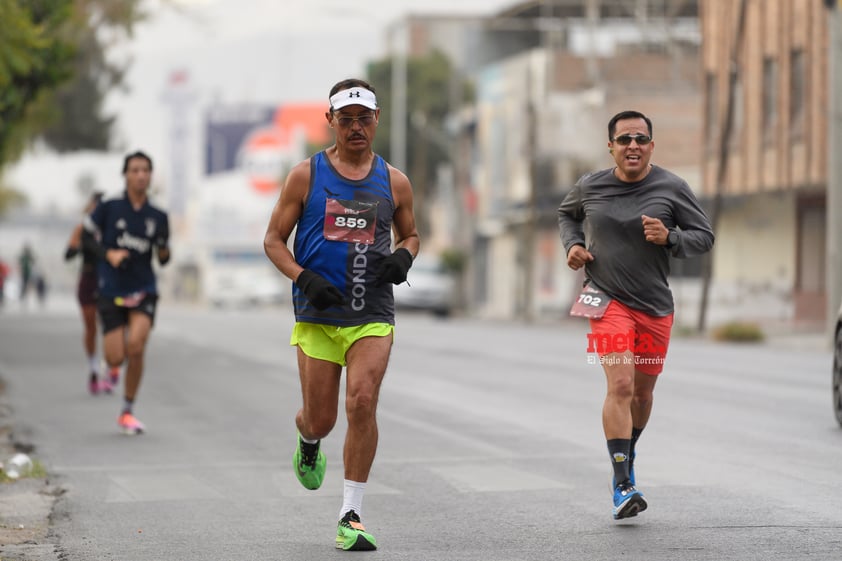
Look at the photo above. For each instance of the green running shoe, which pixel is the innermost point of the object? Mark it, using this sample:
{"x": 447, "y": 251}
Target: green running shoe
{"x": 351, "y": 536}
{"x": 309, "y": 464}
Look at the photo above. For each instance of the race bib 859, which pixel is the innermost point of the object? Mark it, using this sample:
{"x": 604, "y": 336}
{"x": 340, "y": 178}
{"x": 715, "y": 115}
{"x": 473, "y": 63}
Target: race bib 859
{"x": 350, "y": 221}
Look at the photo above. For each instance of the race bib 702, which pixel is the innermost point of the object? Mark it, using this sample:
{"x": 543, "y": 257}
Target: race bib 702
{"x": 591, "y": 303}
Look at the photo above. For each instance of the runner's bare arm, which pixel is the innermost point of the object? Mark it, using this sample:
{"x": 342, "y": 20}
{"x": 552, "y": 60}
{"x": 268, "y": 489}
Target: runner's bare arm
{"x": 284, "y": 217}
{"x": 403, "y": 222}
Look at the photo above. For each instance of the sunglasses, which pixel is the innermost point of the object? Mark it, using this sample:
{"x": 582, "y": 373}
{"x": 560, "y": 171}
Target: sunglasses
{"x": 347, "y": 122}
{"x": 626, "y": 139}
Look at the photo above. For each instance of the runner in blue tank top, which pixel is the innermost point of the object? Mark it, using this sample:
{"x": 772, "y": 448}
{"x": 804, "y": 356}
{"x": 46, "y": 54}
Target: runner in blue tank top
{"x": 344, "y": 203}
{"x": 124, "y": 232}
{"x": 343, "y": 235}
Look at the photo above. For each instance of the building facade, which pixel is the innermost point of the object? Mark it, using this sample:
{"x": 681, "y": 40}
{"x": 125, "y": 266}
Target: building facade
{"x": 769, "y": 260}
{"x": 541, "y": 123}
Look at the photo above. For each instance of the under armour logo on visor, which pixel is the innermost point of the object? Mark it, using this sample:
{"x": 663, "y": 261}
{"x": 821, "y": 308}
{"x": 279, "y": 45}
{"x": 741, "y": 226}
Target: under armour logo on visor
{"x": 353, "y": 96}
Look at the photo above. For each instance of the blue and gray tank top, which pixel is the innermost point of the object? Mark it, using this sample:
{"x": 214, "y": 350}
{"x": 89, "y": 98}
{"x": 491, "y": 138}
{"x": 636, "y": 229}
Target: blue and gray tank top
{"x": 344, "y": 231}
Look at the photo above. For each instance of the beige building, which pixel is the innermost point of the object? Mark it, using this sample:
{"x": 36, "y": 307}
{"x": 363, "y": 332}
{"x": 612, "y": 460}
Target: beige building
{"x": 769, "y": 260}
{"x": 549, "y": 74}
{"x": 541, "y": 122}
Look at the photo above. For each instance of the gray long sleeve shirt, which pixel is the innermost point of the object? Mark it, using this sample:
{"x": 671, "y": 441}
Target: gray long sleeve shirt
{"x": 604, "y": 214}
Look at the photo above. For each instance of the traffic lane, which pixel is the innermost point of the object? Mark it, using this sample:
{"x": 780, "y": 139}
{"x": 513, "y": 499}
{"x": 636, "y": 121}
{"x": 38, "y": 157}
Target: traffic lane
{"x": 479, "y": 488}
{"x": 549, "y": 385}
{"x": 764, "y": 411}
{"x": 202, "y": 408}
{"x": 695, "y": 444}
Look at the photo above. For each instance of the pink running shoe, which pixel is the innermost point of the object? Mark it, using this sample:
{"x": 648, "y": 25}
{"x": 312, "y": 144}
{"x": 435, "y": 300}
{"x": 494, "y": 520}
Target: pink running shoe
{"x": 93, "y": 385}
{"x": 130, "y": 424}
{"x": 114, "y": 377}
{"x": 106, "y": 386}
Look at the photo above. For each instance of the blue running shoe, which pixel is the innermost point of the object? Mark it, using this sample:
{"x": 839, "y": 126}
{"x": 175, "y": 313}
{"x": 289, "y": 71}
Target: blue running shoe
{"x": 628, "y": 501}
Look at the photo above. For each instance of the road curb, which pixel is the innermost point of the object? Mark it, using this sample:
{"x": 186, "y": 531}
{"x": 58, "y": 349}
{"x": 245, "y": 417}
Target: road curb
{"x": 26, "y": 504}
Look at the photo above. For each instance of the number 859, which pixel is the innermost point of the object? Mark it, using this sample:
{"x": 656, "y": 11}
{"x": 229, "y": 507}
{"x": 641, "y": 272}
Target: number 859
{"x": 350, "y": 222}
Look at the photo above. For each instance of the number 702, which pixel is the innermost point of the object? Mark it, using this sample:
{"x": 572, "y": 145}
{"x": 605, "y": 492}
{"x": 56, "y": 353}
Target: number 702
{"x": 589, "y": 300}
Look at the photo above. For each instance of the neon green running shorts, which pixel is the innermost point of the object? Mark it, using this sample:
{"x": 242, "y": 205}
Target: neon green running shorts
{"x": 331, "y": 342}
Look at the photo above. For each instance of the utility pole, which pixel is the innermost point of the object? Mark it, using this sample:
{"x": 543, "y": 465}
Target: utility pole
{"x": 834, "y": 162}
{"x": 722, "y": 161}
{"x": 548, "y": 26}
{"x": 420, "y": 180}
{"x": 531, "y": 205}
{"x": 179, "y": 96}
{"x": 400, "y": 48}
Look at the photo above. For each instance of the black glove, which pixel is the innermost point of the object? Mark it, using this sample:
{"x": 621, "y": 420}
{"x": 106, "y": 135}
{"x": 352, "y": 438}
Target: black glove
{"x": 162, "y": 234}
{"x": 70, "y": 253}
{"x": 319, "y": 291}
{"x": 393, "y": 269}
{"x": 92, "y": 244}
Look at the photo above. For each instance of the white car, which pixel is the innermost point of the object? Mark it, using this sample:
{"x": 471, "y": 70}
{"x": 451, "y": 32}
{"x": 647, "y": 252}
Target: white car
{"x": 428, "y": 287}
{"x": 245, "y": 288}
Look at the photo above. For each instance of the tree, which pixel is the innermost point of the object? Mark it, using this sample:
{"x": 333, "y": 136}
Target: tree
{"x": 33, "y": 61}
{"x": 429, "y": 90}
{"x": 435, "y": 91}
{"x": 76, "y": 119}
{"x": 54, "y": 73}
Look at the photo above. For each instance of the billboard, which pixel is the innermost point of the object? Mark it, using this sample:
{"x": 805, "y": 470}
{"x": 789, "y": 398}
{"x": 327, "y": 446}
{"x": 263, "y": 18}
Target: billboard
{"x": 263, "y": 142}
{"x": 226, "y": 128}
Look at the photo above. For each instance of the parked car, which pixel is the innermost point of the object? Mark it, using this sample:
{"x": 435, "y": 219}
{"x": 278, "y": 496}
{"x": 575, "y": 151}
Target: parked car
{"x": 245, "y": 288}
{"x": 837, "y": 368}
{"x": 428, "y": 287}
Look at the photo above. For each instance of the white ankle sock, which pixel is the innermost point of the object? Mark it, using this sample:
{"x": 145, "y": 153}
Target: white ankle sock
{"x": 352, "y": 497}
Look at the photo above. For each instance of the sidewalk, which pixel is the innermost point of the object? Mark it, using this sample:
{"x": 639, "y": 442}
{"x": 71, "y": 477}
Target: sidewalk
{"x": 25, "y": 504}
{"x": 807, "y": 336}
{"x": 819, "y": 342}
{"x": 25, "y": 508}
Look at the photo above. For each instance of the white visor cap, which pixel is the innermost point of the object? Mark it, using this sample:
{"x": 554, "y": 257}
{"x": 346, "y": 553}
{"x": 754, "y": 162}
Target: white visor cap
{"x": 353, "y": 96}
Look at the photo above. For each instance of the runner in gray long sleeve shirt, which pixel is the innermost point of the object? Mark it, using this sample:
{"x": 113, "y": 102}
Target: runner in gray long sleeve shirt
{"x": 604, "y": 213}
{"x": 621, "y": 224}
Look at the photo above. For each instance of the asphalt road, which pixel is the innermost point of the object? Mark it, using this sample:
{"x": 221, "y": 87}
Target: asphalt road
{"x": 491, "y": 447}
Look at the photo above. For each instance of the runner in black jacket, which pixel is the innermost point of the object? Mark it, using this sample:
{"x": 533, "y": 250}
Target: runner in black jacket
{"x": 124, "y": 232}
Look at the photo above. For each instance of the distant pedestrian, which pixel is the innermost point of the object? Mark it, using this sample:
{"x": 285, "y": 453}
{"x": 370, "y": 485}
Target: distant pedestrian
{"x": 124, "y": 233}
{"x": 41, "y": 287}
{"x": 622, "y": 224}
{"x": 26, "y": 265}
{"x": 345, "y": 204}
{"x": 4, "y": 274}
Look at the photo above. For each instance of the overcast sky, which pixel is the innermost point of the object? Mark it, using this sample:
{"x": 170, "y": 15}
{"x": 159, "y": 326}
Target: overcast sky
{"x": 230, "y": 51}
{"x": 219, "y": 20}
{"x": 262, "y": 51}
